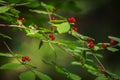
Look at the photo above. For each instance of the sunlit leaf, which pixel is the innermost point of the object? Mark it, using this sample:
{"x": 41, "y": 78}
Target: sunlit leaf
{"x": 10, "y": 66}
{"x": 112, "y": 49}
{"x": 42, "y": 76}
{"x": 4, "y": 9}
{"x": 63, "y": 27}
{"x": 28, "y": 75}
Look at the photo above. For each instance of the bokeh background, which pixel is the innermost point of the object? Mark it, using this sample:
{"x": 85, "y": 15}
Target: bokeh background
{"x": 95, "y": 18}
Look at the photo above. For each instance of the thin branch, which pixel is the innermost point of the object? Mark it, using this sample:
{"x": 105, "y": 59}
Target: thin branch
{"x": 17, "y": 26}
{"x": 11, "y": 51}
{"x": 5, "y": 4}
{"x": 98, "y": 61}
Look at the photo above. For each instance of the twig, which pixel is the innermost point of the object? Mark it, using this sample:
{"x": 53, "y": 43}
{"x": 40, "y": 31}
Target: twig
{"x": 98, "y": 61}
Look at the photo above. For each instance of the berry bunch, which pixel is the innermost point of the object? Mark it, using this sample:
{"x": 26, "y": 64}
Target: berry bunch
{"x": 90, "y": 43}
{"x": 53, "y": 18}
{"x": 71, "y": 20}
{"x": 75, "y": 29}
{"x": 51, "y": 36}
{"x": 25, "y": 58}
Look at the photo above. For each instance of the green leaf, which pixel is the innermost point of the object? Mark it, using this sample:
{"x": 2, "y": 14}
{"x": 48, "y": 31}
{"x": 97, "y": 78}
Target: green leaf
{"x": 49, "y": 7}
{"x": 6, "y": 55}
{"x": 63, "y": 27}
{"x": 33, "y": 4}
{"x": 91, "y": 69}
{"x": 74, "y": 76}
{"x": 112, "y": 49}
{"x": 5, "y": 36}
{"x": 28, "y": 75}
{"x": 4, "y": 9}
{"x": 42, "y": 76}
{"x": 102, "y": 77}
{"x": 115, "y": 38}
{"x": 39, "y": 11}
{"x": 76, "y": 63}
{"x": 82, "y": 48}
{"x": 10, "y": 66}
{"x": 14, "y": 12}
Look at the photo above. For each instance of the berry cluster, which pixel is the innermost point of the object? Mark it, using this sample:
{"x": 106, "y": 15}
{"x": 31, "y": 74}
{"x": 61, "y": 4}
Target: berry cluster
{"x": 71, "y": 20}
{"x": 53, "y": 18}
{"x": 51, "y": 36}
{"x": 25, "y": 58}
{"x": 74, "y": 29}
{"x": 90, "y": 43}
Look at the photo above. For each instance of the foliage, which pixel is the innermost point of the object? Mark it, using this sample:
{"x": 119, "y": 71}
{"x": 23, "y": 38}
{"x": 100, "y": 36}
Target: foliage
{"x": 80, "y": 49}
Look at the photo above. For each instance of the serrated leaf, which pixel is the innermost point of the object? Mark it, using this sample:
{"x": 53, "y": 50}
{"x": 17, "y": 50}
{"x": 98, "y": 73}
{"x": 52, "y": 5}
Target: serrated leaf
{"x": 10, "y": 66}
{"x": 112, "y": 49}
{"x": 63, "y": 27}
{"x": 4, "y": 9}
{"x": 42, "y": 76}
{"x": 115, "y": 38}
{"x": 5, "y": 36}
{"x": 28, "y": 75}
{"x": 74, "y": 76}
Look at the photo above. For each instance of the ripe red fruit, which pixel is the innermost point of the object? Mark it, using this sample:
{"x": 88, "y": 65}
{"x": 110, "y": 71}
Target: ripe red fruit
{"x": 75, "y": 29}
{"x": 89, "y": 40}
{"x": 91, "y": 44}
{"x": 53, "y": 18}
{"x": 72, "y": 20}
{"x": 51, "y": 36}
{"x": 112, "y": 41}
{"x": 25, "y": 58}
{"x": 54, "y": 9}
{"x": 104, "y": 45}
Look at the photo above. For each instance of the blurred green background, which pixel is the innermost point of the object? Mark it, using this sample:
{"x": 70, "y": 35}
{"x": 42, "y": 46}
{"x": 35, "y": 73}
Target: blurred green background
{"x": 95, "y": 18}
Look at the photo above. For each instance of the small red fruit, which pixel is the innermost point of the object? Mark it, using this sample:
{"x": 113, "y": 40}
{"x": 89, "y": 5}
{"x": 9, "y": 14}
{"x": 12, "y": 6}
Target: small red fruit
{"x": 54, "y": 9}
{"x": 25, "y": 58}
{"x": 112, "y": 41}
{"x": 75, "y": 29}
{"x": 104, "y": 45}
{"x": 91, "y": 44}
{"x": 51, "y": 36}
{"x": 53, "y": 18}
{"x": 72, "y": 20}
{"x": 89, "y": 40}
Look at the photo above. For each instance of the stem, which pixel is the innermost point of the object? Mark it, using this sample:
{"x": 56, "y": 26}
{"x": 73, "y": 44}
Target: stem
{"x": 49, "y": 15}
{"x": 98, "y": 61}
{"x": 11, "y": 51}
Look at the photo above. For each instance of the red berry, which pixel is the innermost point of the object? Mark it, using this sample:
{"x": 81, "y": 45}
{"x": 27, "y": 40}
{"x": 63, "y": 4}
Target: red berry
{"x": 75, "y": 29}
{"x": 53, "y": 18}
{"x": 104, "y": 45}
{"x": 51, "y": 36}
{"x": 112, "y": 41}
{"x": 25, "y": 58}
{"x": 89, "y": 40}
{"x": 91, "y": 44}
{"x": 72, "y": 19}
{"x": 54, "y": 9}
